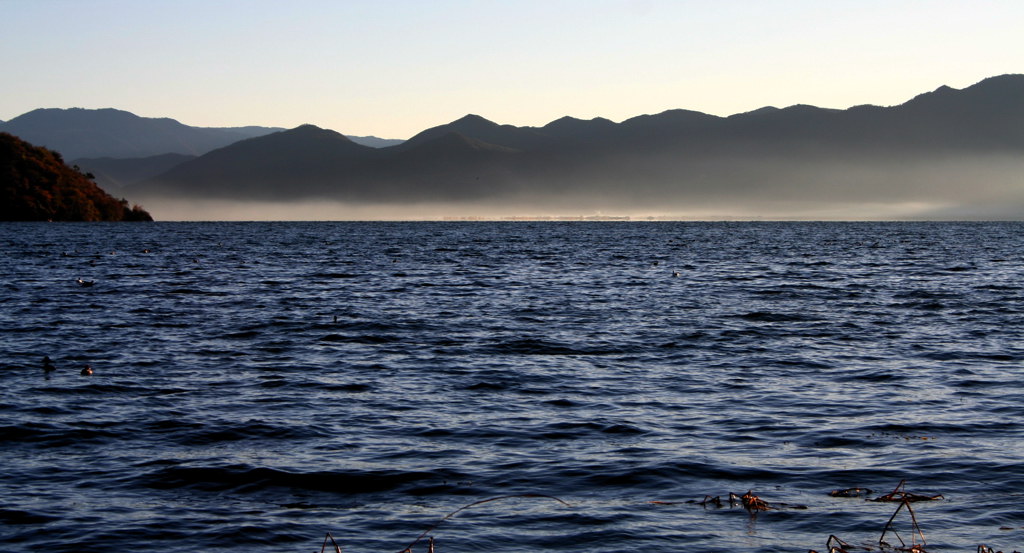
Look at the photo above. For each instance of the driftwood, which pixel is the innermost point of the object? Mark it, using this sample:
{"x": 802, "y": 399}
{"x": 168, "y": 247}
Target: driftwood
{"x": 899, "y": 494}
{"x": 915, "y": 530}
{"x": 752, "y": 504}
{"x": 835, "y": 545}
{"x": 749, "y": 501}
{"x": 337, "y": 548}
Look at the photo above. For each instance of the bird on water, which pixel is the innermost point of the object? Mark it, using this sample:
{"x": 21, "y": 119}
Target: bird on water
{"x": 87, "y": 371}
{"x": 48, "y": 364}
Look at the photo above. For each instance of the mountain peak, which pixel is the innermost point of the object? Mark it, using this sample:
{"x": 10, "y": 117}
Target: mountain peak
{"x": 759, "y": 112}
{"x": 1009, "y": 79}
{"x": 108, "y": 132}
{"x": 473, "y": 118}
{"x": 1001, "y": 89}
{"x": 488, "y": 132}
{"x": 472, "y": 124}
{"x": 567, "y": 120}
{"x": 313, "y": 131}
{"x": 304, "y": 138}
{"x": 72, "y": 118}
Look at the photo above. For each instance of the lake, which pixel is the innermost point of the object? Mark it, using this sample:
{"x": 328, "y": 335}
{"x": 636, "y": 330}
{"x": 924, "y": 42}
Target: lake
{"x": 258, "y": 385}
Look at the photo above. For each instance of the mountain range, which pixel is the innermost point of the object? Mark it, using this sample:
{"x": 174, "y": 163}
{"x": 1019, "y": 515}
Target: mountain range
{"x": 121, "y": 148}
{"x": 945, "y": 153}
{"x": 91, "y": 133}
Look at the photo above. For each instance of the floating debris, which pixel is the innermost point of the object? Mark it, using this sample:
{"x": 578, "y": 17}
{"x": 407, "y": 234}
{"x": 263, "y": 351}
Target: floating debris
{"x": 915, "y": 530}
{"x": 833, "y": 545}
{"x": 749, "y": 501}
{"x": 716, "y": 501}
{"x": 851, "y": 492}
{"x": 337, "y": 548}
{"x": 898, "y": 494}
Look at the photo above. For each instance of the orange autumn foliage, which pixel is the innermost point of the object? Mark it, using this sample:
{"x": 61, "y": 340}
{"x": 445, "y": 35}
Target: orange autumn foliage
{"x": 36, "y": 185}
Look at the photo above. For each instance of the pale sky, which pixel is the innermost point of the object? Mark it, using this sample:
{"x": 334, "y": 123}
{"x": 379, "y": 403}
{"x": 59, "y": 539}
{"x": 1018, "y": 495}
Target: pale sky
{"x": 394, "y": 68}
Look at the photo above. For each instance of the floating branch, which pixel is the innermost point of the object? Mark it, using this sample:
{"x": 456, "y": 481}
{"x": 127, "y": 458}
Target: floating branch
{"x": 915, "y": 530}
{"x": 986, "y": 549}
{"x": 904, "y": 498}
{"x": 835, "y": 545}
{"x": 337, "y": 548}
{"x": 716, "y": 501}
{"x": 749, "y": 501}
{"x": 898, "y": 494}
{"x": 708, "y": 500}
{"x": 851, "y": 492}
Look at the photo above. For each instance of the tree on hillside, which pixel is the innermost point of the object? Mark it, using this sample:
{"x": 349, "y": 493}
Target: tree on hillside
{"x": 36, "y": 185}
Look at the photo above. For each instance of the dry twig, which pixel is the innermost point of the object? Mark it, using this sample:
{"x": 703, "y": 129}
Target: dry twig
{"x": 337, "y": 548}
{"x": 915, "y": 530}
{"x": 899, "y": 494}
{"x": 716, "y": 501}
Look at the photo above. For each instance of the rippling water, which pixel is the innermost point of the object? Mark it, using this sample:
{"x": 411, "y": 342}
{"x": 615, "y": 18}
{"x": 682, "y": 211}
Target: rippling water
{"x": 258, "y": 385}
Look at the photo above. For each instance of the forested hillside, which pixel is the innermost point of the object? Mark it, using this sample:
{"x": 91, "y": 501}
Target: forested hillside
{"x": 36, "y": 185}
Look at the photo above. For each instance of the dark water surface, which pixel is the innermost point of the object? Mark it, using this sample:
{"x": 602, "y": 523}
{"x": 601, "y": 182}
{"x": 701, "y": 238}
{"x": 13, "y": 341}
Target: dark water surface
{"x": 260, "y": 384}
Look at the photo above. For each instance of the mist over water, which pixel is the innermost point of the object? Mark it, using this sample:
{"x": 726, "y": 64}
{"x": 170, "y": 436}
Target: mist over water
{"x": 260, "y": 384}
{"x": 957, "y": 187}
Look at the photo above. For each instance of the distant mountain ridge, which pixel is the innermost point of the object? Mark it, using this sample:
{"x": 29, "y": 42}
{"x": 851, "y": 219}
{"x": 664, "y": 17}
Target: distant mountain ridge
{"x": 111, "y": 133}
{"x": 943, "y": 148}
{"x": 676, "y": 156}
{"x": 478, "y": 128}
{"x": 90, "y": 133}
{"x": 121, "y": 148}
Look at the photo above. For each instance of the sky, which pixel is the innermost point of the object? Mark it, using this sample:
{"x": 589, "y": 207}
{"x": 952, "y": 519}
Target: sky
{"x": 393, "y": 68}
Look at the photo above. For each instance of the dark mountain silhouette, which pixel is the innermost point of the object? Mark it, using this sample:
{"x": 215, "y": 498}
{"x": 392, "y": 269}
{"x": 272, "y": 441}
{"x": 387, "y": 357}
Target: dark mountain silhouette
{"x": 944, "y": 147}
{"x": 306, "y": 158}
{"x": 92, "y": 133}
{"x": 99, "y": 133}
{"x": 114, "y": 174}
{"x": 450, "y": 166}
{"x": 321, "y": 163}
{"x": 36, "y": 185}
{"x": 576, "y": 130}
{"x": 569, "y": 134}
{"x": 478, "y": 128}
